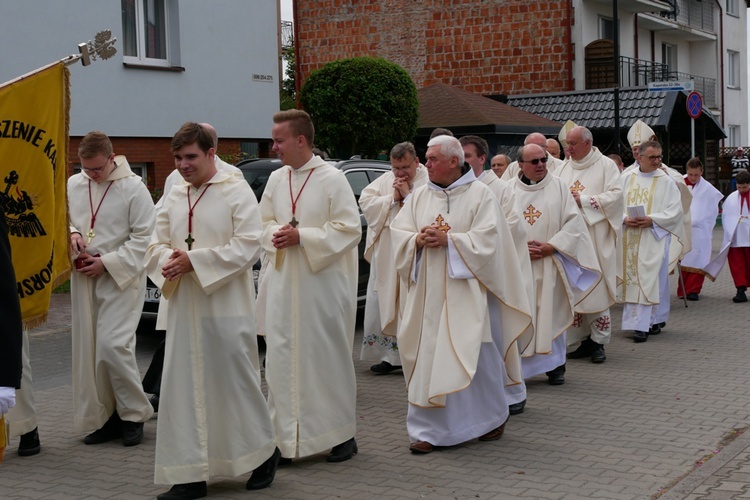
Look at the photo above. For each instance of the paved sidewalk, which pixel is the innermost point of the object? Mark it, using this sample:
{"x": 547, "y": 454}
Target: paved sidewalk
{"x": 635, "y": 427}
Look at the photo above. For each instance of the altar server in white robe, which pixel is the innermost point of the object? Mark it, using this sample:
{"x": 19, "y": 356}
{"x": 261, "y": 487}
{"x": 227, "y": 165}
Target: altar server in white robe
{"x": 735, "y": 219}
{"x": 311, "y": 230}
{"x": 111, "y": 219}
{"x": 564, "y": 265}
{"x": 213, "y": 419}
{"x": 475, "y": 154}
{"x": 380, "y": 203}
{"x": 704, "y": 209}
{"x": 454, "y": 250}
{"x": 594, "y": 182}
{"x": 653, "y": 222}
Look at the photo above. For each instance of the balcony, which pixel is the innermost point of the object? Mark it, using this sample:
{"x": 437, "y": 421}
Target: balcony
{"x": 691, "y": 20}
{"x": 287, "y": 36}
{"x": 638, "y": 73}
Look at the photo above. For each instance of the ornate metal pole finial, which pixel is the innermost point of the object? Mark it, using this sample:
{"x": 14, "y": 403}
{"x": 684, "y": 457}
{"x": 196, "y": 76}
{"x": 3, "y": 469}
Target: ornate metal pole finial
{"x": 102, "y": 47}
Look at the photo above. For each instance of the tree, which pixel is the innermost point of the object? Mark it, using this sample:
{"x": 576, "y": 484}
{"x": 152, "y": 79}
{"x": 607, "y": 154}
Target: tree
{"x": 287, "y": 95}
{"x": 361, "y": 105}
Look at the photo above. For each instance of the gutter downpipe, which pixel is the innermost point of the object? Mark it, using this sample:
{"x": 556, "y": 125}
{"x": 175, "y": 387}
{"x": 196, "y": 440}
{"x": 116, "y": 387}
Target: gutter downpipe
{"x": 570, "y": 44}
{"x": 721, "y": 62}
{"x": 297, "y": 65}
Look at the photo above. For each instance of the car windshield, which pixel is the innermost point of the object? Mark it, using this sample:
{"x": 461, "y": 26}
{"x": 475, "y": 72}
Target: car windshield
{"x": 257, "y": 180}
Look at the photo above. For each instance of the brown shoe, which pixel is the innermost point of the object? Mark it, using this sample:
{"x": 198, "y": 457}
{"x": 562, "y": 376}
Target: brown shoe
{"x": 493, "y": 435}
{"x": 421, "y": 447}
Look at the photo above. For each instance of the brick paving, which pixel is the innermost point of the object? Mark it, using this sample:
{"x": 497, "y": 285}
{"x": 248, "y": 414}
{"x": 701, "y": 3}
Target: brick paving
{"x": 658, "y": 418}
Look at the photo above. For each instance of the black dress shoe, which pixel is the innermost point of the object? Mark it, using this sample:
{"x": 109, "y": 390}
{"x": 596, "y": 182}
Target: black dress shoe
{"x": 740, "y": 297}
{"x": 556, "y": 376}
{"x": 584, "y": 350}
{"x": 655, "y": 329}
{"x": 693, "y": 296}
{"x": 517, "y": 408}
{"x": 186, "y": 491}
{"x": 154, "y": 400}
{"x": 597, "y": 355}
{"x": 283, "y": 461}
{"x": 344, "y": 451}
{"x": 384, "y": 367}
{"x": 132, "y": 433}
{"x": 112, "y": 429}
{"x": 639, "y": 336}
{"x": 29, "y": 444}
{"x": 262, "y": 477}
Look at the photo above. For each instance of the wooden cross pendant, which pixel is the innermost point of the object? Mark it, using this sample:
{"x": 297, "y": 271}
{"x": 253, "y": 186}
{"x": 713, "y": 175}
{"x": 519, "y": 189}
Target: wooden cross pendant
{"x": 293, "y": 222}
{"x": 189, "y": 240}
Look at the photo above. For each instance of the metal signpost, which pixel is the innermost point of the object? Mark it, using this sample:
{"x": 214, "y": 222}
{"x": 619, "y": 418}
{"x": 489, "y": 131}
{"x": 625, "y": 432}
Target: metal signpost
{"x": 694, "y": 109}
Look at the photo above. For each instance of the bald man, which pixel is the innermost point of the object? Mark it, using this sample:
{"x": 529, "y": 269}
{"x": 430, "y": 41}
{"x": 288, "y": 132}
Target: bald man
{"x": 538, "y": 139}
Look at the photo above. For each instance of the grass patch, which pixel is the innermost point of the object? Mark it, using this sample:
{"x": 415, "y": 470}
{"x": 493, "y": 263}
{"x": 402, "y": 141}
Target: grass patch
{"x": 64, "y": 288}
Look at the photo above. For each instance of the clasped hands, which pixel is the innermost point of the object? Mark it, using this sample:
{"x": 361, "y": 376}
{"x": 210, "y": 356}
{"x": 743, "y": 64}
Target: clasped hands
{"x": 177, "y": 265}
{"x": 287, "y": 236}
{"x": 644, "y": 222}
{"x": 432, "y": 237}
{"x": 401, "y": 189}
{"x": 93, "y": 267}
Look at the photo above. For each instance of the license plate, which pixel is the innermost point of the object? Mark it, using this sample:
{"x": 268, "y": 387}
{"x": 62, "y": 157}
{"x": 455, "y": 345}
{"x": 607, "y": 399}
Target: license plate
{"x": 153, "y": 294}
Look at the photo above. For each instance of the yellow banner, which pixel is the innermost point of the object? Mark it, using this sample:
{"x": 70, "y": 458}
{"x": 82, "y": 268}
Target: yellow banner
{"x": 33, "y": 176}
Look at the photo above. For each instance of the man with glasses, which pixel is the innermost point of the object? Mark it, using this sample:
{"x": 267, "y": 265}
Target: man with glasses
{"x": 475, "y": 153}
{"x": 594, "y": 183}
{"x": 538, "y": 139}
{"x": 380, "y": 202}
{"x": 111, "y": 219}
{"x": 564, "y": 266}
{"x": 653, "y": 223}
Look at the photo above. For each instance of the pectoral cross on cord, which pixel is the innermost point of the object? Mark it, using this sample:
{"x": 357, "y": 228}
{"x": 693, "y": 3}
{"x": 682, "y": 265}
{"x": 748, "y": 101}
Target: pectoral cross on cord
{"x": 294, "y": 223}
{"x": 189, "y": 240}
{"x": 90, "y": 235}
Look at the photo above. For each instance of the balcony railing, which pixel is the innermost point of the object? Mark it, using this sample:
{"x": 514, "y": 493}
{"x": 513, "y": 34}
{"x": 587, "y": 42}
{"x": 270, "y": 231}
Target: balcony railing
{"x": 693, "y": 13}
{"x": 638, "y": 73}
{"x": 287, "y": 35}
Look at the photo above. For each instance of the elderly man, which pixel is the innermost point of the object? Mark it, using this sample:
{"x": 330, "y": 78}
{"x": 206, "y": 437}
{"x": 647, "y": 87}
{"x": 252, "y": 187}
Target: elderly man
{"x": 454, "y": 250}
{"x": 499, "y": 163}
{"x": 475, "y": 154}
{"x": 594, "y": 182}
{"x": 311, "y": 231}
{"x": 653, "y": 223}
{"x": 380, "y": 203}
{"x": 538, "y": 139}
{"x": 553, "y": 148}
{"x": 704, "y": 209}
{"x": 563, "y": 261}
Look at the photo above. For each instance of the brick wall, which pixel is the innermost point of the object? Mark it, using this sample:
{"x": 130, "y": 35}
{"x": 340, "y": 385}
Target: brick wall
{"x": 482, "y": 46}
{"x": 156, "y": 153}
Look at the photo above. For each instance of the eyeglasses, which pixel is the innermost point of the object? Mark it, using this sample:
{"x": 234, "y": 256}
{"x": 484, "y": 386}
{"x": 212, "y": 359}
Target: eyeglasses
{"x": 654, "y": 158}
{"x": 97, "y": 170}
{"x": 536, "y": 161}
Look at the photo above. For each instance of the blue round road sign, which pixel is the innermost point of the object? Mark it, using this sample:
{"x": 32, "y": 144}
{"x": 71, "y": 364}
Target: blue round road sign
{"x": 694, "y": 105}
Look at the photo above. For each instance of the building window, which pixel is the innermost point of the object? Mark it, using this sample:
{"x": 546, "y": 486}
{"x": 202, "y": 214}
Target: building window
{"x": 669, "y": 57}
{"x": 606, "y": 28}
{"x": 733, "y": 69}
{"x": 733, "y": 8}
{"x": 147, "y": 34}
{"x": 734, "y": 135}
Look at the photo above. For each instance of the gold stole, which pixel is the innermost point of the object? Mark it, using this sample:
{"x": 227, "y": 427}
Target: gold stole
{"x": 631, "y": 237}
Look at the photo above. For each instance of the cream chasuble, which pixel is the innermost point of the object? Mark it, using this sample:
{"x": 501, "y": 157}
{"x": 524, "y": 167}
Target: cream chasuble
{"x": 106, "y": 310}
{"x": 552, "y": 216}
{"x": 596, "y": 179}
{"x": 311, "y": 298}
{"x": 677, "y": 249}
{"x": 704, "y": 209}
{"x": 213, "y": 417}
{"x": 641, "y": 251}
{"x": 382, "y": 305}
{"x": 446, "y": 320}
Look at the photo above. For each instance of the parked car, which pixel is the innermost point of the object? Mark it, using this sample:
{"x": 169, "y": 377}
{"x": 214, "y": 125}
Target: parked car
{"x": 359, "y": 173}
